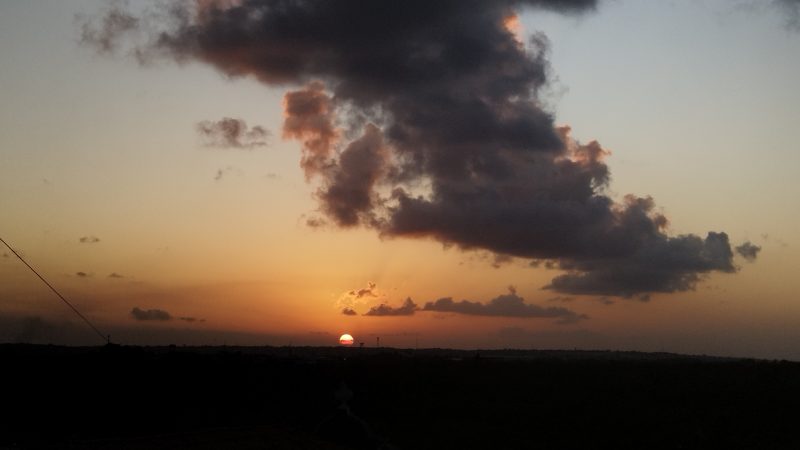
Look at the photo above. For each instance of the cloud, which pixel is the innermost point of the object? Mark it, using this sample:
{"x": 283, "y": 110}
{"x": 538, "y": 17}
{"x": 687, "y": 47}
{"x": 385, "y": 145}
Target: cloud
{"x": 791, "y": 9}
{"x": 6, "y": 255}
{"x": 368, "y": 291}
{"x": 355, "y": 297}
{"x": 349, "y": 312}
{"x": 348, "y": 196}
{"x": 407, "y": 309}
{"x": 667, "y": 264}
{"x": 89, "y": 240}
{"x": 115, "y": 275}
{"x": 748, "y": 251}
{"x": 150, "y": 314}
{"x": 82, "y": 275}
{"x": 309, "y": 118}
{"x": 507, "y": 305}
{"x": 423, "y": 120}
{"x": 232, "y": 133}
{"x": 185, "y": 319}
{"x": 104, "y": 36}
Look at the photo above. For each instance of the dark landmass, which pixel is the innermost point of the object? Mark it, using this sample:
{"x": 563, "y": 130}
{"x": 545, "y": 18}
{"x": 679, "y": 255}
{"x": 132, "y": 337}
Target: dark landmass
{"x": 118, "y": 397}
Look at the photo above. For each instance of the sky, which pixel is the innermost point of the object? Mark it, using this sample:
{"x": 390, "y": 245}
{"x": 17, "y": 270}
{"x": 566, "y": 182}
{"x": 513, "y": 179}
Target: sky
{"x": 514, "y": 174}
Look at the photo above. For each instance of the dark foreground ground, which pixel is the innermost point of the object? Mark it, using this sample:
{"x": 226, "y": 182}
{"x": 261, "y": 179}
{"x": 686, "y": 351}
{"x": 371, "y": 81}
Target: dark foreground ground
{"x": 334, "y": 398}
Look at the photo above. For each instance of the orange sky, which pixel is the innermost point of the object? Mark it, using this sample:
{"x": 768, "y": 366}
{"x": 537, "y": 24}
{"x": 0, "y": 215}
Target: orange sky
{"x": 96, "y": 146}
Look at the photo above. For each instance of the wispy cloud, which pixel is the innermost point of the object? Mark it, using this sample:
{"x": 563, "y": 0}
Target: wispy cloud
{"x": 150, "y": 314}
{"x": 232, "y": 133}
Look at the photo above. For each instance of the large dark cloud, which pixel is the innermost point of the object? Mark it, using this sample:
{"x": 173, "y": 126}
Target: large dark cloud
{"x": 232, "y": 133}
{"x": 506, "y": 305}
{"x": 150, "y": 314}
{"x": 422, "y": 119}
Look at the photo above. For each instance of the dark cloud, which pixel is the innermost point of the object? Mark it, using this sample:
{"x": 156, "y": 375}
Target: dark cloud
{"x": 232, "y": 133}
{"x": 349, "y": 312}
{"x": 150, "y": 314}
{"x": 423, "y": 119}
{"x": 348, "y": 196}
{"x": 507, "y": 305}
{"x": 115, "y": 275}
{"x": 6, "y": 255}
{"x": 82, "y": 275}
{"x": 748, "y": 251}
{"x": 791, "y": 8}
{"x": 665, "y": 264}
{"x": 407, "y": 309}
{"x": 89, "y": 240}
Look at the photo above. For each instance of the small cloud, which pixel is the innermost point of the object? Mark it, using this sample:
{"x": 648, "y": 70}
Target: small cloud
{"x": 748, "y": 251}
{"x": 150, "y": 314}
{"x": 82, "y": 275}
{"x": 272, "y": 176}
{"x": 232, "y": 133}
{"x": 188, "y": 319}
{"x": 115, "y": 275}
{"x": 354, "y": 297}
{"x": 6, "y": 255}
{"x": 407, "y": 309}
{"x": 224, "y": 172}
{"x": 349, "y": 312}
{"x": 315, "y": 222}
{"x": 89, "y": 240}
{"x": 368, "y": 291}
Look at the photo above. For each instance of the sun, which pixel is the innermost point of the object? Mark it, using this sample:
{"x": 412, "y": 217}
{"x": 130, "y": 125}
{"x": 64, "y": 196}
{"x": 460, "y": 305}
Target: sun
{"x": 346, "y": 339}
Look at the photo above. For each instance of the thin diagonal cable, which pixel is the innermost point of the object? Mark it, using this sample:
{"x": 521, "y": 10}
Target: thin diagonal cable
{"x": 55, "y": 291}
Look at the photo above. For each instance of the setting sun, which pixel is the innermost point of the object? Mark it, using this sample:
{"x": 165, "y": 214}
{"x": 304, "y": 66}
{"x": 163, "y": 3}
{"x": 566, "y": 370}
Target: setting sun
{"x": 346, "y": 339}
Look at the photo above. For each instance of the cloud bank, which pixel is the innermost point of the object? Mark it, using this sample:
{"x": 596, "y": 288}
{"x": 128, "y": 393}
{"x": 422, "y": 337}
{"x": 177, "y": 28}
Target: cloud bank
{"x": 422, "y": 119}
{"x": 406, "y": 309}
{"x": 506, "y": 305}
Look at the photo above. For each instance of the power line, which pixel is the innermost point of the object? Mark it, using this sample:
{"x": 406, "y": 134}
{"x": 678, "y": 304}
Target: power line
{"x": 104, "y": 338}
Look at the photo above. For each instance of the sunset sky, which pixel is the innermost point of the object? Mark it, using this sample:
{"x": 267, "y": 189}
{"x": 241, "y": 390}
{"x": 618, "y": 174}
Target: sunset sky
{"x": 526, "y": 174}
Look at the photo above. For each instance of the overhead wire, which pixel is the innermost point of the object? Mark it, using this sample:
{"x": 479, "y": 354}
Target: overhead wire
{"x": 88, "y": 322}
